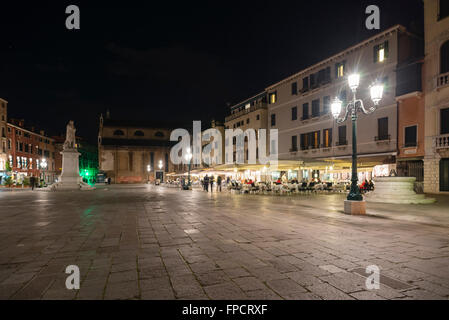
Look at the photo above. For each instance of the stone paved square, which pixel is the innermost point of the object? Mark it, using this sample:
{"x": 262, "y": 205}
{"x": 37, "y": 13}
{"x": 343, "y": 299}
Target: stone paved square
{"x": 153, "y": 242}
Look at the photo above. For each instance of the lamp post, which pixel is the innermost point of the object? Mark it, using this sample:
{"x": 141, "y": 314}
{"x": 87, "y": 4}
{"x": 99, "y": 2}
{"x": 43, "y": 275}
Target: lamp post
{"x": 44, "y": 167}
{"x": 148, "y": 170}
{"x": 354, "y": 106}
{"x": 188, "y": 158}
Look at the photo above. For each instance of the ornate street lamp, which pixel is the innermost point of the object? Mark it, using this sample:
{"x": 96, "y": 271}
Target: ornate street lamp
{"x": 352, "y": 108}
{"x": 160, "y": 164}
{"x": 188, "y": 158}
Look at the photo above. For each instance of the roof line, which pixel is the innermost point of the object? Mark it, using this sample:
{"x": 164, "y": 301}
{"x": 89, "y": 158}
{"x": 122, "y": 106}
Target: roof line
{"x": 246, "y": 100}
{"x": 395, "y": 28}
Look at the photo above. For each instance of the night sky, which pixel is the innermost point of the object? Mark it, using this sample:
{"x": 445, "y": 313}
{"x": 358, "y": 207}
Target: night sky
{"x": 172, "y": 60}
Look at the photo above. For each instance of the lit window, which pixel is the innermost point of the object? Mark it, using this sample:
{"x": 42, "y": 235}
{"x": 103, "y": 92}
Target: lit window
{"x": 340, "y": 71}
{"x": 381, "y": 52}
{"x": 381, "y": 55}
{"x": 273, "y": 97}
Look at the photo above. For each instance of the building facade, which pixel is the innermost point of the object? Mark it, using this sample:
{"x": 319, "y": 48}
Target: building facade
{"x": 249, "y": 114}
{"x": 126, "y": 150}
{"x": 29, "y": 151}
{"x": 3, "y": 138}
{"x": 299, "y": 107}
{"x": 436, "y": 88}
{"x": 411, "y": 117}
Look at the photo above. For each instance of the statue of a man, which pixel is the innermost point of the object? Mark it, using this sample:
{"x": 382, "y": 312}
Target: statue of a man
{"x": 70, "y": 136}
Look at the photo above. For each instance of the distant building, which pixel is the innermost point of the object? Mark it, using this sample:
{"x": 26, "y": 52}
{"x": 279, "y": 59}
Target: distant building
{"x": 127, "y": 148}
{"x": 248, "y": 114}
{"x": 436, "y": 88}
{"x": 27, "y": 152}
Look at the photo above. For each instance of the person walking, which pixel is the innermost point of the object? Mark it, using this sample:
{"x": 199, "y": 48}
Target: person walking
{"x": 219, "y": 183}
{"x": 32, "y": 182}
{"x": 211, "y": 181}
{"x": 206, "y": 183}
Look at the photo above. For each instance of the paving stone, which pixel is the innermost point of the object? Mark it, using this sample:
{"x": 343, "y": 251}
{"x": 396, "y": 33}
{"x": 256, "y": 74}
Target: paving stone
{"x": 154, "y": 242}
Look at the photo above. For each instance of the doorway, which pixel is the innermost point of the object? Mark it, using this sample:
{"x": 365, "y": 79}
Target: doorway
{"x": 444, "y": 175}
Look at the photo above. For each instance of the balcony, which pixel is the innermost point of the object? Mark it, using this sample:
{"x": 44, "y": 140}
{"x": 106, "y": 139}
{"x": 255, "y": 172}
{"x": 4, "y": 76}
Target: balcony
{"x": 443, "y": 80}
{"x": 294, "y": 149}
{"x": 442, "y": 142}
{"x": 342, "y": 143}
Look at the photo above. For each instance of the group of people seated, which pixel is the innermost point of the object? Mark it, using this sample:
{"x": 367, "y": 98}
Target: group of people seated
{"x": 367, "y": 186}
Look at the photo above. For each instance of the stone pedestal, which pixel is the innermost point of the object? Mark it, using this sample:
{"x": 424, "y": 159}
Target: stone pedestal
{"x": 396, "y": 190}
{"x": 355, "y": 207}
{"x": 70, "y": 178}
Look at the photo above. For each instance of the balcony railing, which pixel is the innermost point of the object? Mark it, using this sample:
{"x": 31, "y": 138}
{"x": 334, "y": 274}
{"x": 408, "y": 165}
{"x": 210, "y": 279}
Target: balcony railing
{"x": 443, "y": 80}
{"x": 385, "y": 137}
{"x": 246, "y": 111}
{"x": 341, "y": 143}
{"x": 442, "y": 142}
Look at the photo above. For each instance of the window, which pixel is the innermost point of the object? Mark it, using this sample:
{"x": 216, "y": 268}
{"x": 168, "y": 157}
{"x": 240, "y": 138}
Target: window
{"x": 294, "y": 88}
{"x": 273, "y": 120}
{"x": 444, "y": 9}
{"x": 410, "y": 136}
{"x": 3, "y": 133}
{"x": 304, "y": 142}
{"x": 18, "y": 163}
{"x": 294, "y": 113}
{"x": 305, "y": 111}
{"x": 340, "y": 70}
{"x": 119, "y": 133}
{"x": 326, "y": 104}
{"x": 327, "y": 138}
{"x": 273, "y": 97}
{"x": 342, "y": 141}
{"x": 247, "y": 121}
{"x": 315, "y": 108}
{"x": 315, "y": 138}
{"x": 139, "y": 133}
{"x": 382, "y": 128}
{"x": 313, "y": 81}
{"x": 305, "y": 84}
{"x": 444, "y": 118}
{"x": 294, "y": 143}
{"x": 159, "y": 134}
{"x": 258, "y": 117}
{"x": 381, "y": 52}
{"x": 444, "y": 56}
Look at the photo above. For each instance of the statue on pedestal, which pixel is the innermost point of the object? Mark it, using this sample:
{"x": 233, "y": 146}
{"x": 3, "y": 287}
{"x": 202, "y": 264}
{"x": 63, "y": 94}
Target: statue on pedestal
{"x": 70, "y": 142}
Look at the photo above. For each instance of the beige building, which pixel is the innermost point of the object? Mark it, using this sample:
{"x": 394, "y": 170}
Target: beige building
{"x": 299, "y": 106}
{"x": 126, "y": 150}
{"x": 3, "y": 137}
{"x": 436, "y": 88}
{"x": 249, "y": 114}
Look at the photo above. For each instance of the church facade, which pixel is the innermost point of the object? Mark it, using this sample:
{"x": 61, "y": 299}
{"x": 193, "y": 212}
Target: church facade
{"x": 134, "y": 151}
